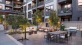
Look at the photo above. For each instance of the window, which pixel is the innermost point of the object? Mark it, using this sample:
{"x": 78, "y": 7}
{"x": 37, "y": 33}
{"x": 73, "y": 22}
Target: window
{"x": 29, "y": 14}
{"x": 79, "y": 2}
{"x": 7, "y": 8}
{"x": 18, "y": 0}
{"x": 8, "y": 2}
{"x": 29, "y": 6}
{"x": 67, "y": 6}
{"x": 24, "y": 0}
{"x": 1, "y": 7}
{"x": 50, "y": 7}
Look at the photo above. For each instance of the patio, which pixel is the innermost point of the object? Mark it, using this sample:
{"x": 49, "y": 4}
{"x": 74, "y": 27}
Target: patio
{"x": 38, "y": 39}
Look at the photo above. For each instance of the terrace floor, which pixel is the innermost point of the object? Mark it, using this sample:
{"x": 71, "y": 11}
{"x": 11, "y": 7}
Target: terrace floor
{"x": 6, "y": 40}
{"x": 38, "y": 39}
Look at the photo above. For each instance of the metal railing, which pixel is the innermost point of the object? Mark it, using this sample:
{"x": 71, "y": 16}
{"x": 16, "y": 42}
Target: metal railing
{"x": 65, "y": 10}
{"x": 17, "y": 6}
{"x": 61, "y": 0}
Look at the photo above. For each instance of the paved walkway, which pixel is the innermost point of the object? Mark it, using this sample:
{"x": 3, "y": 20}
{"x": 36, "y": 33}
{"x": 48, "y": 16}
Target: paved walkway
{"x": 38, "y": 39}
{"x": 7, "y": 40}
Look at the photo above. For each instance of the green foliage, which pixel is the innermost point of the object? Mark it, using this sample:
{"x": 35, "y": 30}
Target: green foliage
{"x": 62, "y": 27}
{"x": 53, "y": 19}
{"x": 24, "y": 21}
{"x": 37, "y": 17}
{"x": 10, "y": 19}
{"x": 17, "y": 20}
{"x": 13, "y": 20}
{"x": 1, "y": 19}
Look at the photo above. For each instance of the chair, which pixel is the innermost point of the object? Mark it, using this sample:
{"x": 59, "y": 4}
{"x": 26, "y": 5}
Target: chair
{"x": 63, "y": 37}
{"x": 48, "y": 36}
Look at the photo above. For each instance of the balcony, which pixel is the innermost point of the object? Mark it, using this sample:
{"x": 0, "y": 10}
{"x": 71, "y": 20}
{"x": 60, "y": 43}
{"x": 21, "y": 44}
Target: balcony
{"x": 40, "y": 3}
{"x": 61, "y": 1}
{"x": 17, "y": 6}
{"x": 63, "y": 12}
{"x": 8, "y": 9}
{"x": 10, "y": 5}
{"x": 18, "y": 12}
{"x": 18, "y": 2}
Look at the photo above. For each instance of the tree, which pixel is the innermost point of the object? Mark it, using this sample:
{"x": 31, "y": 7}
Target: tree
{"x": 1, "y": 19}
{"x": 18, "y": 21}
{"x": 13, "y": 21}
{"x": 37, "y": 17}
{"x": 24, "y": 23}
{"x": 53, "y": 19}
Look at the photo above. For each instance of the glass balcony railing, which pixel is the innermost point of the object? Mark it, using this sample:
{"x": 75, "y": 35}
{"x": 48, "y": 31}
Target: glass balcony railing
{"x": 8, "y": 9}
{"x": 18, "y": 12}
{"x": 17, "y": 6}
{"x": 65, "y": 11}
{"x": 40, "y": 3}
{"x": 61, "y": 0}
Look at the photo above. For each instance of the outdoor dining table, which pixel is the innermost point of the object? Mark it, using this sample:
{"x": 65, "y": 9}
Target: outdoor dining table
{"x": 57, "y": 34}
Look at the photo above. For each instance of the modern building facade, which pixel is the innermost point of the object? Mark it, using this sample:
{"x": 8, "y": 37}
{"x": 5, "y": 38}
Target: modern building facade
{"x": 43, "y": 5}
{"x": 10, "y": 7}
{"x": 69, "y": 10}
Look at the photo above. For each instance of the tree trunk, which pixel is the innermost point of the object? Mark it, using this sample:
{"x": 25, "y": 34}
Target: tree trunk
{"x": 25, "y": 33}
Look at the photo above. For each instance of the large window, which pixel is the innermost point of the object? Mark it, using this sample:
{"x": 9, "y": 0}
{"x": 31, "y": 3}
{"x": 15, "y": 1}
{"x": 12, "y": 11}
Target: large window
{"x": 8, "y": 2}
{"x": 79, "y": 2}
{"x": 8, "y": 8}
{"x": 29, "y": 14}
{"x": 48, "y": 9}
{"x": 1, "y": 7}
{"x": 67, "y": 6}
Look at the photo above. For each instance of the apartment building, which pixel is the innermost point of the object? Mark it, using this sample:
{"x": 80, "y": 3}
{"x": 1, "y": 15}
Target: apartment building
{"x": 44, "y": 6}
{"x": 69, "y": 10}
{"x": 11, "y": 7}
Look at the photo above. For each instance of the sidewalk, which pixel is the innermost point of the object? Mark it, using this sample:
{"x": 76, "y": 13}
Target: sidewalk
{"x": 6, "y": 39}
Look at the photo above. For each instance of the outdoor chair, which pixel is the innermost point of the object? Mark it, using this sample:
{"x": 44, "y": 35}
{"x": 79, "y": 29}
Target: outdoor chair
{"x": 31, "y": 32}
{"x": 48, "y": 36}
{"x": 63, "y": 37}
{"x": 35, "y": 32}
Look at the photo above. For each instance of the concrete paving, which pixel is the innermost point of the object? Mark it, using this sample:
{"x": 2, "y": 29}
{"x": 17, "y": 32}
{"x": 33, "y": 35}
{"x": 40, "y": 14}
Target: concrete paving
{"x": 6, "y": 40}
{"x": 38, "y": 39}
